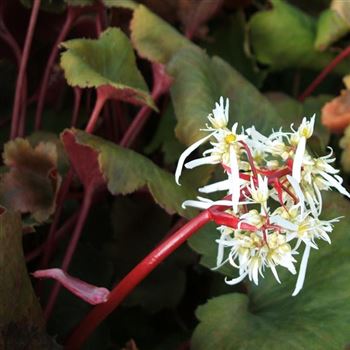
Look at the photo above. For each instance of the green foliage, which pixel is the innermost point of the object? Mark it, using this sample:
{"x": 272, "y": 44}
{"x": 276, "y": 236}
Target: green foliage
{"x": 126, "y": 171}
{"x": 129, "y": 4}
{"x": 21, "y": 320}
{"x": 154, "y": 38}
{"x": 107, "y": 61}
{"x": 200, "y": 81}
{"x": 269, "y": 315}
{"x": 284, "y": 37}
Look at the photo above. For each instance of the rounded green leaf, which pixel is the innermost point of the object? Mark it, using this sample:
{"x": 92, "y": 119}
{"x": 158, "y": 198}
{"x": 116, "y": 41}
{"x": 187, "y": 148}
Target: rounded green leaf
{"x": 107, "y": 61}
{"x": 284, "y": 37}
{"x": 269, "y": 318}
{"x": 199, "y": 81}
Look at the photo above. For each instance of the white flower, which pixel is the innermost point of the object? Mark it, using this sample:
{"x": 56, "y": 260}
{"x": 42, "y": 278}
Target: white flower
{"x": 304, "y": 132}
{"x": 263, "y": 172}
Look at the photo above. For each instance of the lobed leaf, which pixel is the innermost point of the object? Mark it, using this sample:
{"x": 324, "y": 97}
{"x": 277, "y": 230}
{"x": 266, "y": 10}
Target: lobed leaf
{"x": 126, "y": 171}
{"x": 32, "y": 182}
{"x": 105, "y": 62}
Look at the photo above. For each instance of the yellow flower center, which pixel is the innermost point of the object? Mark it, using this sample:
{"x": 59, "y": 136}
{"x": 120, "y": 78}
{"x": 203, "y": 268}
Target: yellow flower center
{"x": 231, "y": 138}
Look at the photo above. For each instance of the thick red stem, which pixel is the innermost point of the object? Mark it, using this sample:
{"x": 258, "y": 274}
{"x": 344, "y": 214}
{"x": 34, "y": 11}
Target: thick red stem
{"x": 70, "y": 18}
{"x": 100, "y": 102}
{"x": 21, "y": 78}
{"x": 71, "y": 248}
{"x": 328, "y": 69}
{"x": 134, "y": 277}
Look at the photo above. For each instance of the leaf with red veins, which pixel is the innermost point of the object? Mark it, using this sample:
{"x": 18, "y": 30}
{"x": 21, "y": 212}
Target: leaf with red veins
{"x": 83, "y": 290}
{"x": 84, "y": 160}
{"x": 32, "y": 182}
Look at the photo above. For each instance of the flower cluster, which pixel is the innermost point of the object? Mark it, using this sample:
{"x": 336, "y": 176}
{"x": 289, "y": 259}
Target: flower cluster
{"x": 272, "y": 195}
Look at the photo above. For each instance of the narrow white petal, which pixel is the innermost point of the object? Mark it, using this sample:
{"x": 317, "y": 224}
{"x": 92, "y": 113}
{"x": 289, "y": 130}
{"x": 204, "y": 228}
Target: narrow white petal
{"x": 200, "y": 161}
{"x": 217, "y": 186}
{"x": 334, "y": 183}
{"x": 302, "y": 271}
{"x": 221, "y": 250}
{"x": 298, "y": 159}
{"x": 236, "y": 280}
{"x": 298, "y": 192}
{"x": 186, "y": 153}
{"x": 274, "y": 271}
{"x": 196, "y": 204}
{"x": 276, "y": 219}
{"x": 235, "y": 181}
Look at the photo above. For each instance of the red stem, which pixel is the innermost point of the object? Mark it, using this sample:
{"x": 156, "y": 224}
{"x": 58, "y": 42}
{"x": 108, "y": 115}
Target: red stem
{"x": 21, "y": 78}
{"x": 70, "y": 18}
{"x": 134, "y": 277}
{"x": 59, "y": 208}
{"x": 71, "y": 248}
{"x": 100, "y": 102}
{"x": 309, "y": 90}
{"x": 135, "y": 127}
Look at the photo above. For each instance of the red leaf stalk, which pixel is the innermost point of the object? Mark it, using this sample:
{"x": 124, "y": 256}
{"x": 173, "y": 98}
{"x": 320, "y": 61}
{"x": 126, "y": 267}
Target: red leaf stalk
{"x": 21, "y": 78}
{"x": 328, "y": 69}
{"x": 135, "y": 276}
{"x": 84, "y": 211}
{"x": 72, "y": 14}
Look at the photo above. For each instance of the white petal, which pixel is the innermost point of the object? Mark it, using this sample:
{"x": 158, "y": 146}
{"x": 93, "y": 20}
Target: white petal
{"x": 302, "y": 271}
{"x": 236, "y": 280}
{"x": 298, "y": 159}
{"x": 334, "y": 183}
{"x": 234, "y": 178}
{"x": 217, "y": 186}
{"x": 276, "y": 219}
{"x": 200, "y": 161}
{"x": 298, "y": 191}
{"x": 186, "y": 153}
{"x": 274, "y": 271}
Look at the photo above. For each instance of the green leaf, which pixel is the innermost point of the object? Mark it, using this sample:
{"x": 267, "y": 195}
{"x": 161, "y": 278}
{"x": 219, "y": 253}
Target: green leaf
{"x": 284, "y": 37}
{"x": 330, "y": 28}
{"x": 21, "y": 322}
{"x": 227, "y": 41}
{"x": 128, "y": 4}
{"x": 200, "y": 81}
{"x": 107, "y": 61}
{"x": 126, "y": 171}
{"x": 32, "y": 182}
{"x": 153, "y": 38}
{"x": 314, "y": 319}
